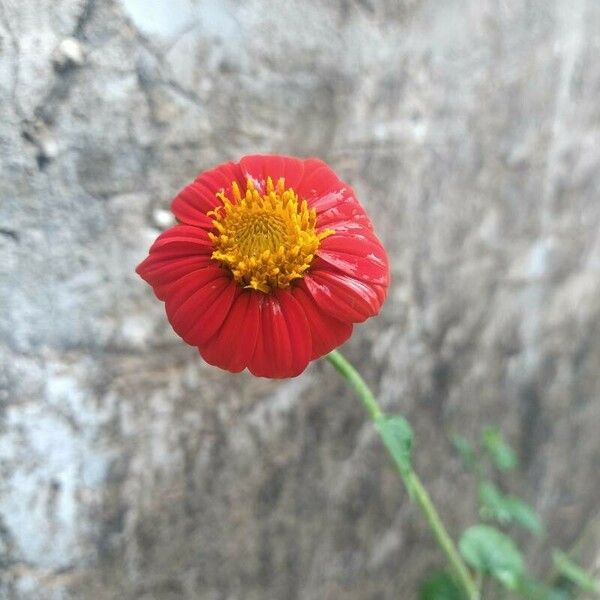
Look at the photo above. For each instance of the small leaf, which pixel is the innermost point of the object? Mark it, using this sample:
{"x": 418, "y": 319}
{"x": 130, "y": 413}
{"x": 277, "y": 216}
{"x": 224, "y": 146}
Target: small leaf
{"x": 503, "y": 455}
{"x": 507, "y": 509}
{"x": 440, "y": 586}
{"x": 492, "y": 503}
{"x": 465, "y": 451}
{"x": 522, "y": 514}
{"x": 397, "y": 436}
{"x": 491, "y": 552}
{"x": 574, "y": 573}
{"x": 531, "y": 589}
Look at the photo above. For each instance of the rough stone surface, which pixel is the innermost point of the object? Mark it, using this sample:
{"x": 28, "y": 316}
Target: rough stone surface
{"x": 470, "y": 130}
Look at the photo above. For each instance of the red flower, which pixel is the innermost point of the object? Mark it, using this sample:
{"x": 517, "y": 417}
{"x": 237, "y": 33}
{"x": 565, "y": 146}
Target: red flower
{"x": 273, "y": 261}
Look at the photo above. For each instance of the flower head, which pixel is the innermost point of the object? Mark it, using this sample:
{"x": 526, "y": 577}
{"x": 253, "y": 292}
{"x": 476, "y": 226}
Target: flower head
{"x": 272, "y": 262}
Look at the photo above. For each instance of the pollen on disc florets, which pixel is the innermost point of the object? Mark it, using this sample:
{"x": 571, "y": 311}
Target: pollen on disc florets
{"x": 267, "y": 239}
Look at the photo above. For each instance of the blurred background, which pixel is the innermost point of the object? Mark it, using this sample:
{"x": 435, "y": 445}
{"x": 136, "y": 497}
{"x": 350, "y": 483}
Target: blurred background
{"x": 470, "y": 129}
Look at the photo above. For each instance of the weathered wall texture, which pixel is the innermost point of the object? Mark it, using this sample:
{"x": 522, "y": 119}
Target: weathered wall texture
{"x": 471, "y": 131}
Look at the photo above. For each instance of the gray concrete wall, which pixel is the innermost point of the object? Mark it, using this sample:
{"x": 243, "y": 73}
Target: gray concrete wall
{"x": 471, "y": 132}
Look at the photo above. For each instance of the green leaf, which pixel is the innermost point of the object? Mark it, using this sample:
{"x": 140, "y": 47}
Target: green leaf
{"x": 507, "y": 509}
{"x": 397, "y": 436}
{"x": 531, "y": 589}
{"x": 574, "y": 573}
{"x": 524, "y": 515}
{"x": 502, "y": 454}
{"x": 465, "y": 451}
{"x": 440, "y": 586}
{"x": 491, "y": 552}
{"x": 491, "y": 501}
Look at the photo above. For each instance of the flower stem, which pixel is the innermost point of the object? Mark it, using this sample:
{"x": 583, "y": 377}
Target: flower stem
{"x": 461, "y": 573}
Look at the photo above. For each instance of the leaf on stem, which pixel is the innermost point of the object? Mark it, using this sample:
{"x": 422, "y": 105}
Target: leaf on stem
{"x": 507, "y": 509}
{"x": 491, "y": 552}
{"x": 397, "y": 436}
{"x": 532, "y": 589}
{"x": 465, "y": 451}
{"x": 502, "y": 454}
{"x": 440, "y": 586}
{"x": 574, "y": 573}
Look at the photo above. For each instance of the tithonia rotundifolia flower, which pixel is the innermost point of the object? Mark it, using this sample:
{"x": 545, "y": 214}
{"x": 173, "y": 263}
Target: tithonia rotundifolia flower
{"x": 272, "y": 261}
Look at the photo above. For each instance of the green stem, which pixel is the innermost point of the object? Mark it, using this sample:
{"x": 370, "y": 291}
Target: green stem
{"x": 444, "y": 540}
{"x": 420, "y": 494}
{"x": 350, "y": 374}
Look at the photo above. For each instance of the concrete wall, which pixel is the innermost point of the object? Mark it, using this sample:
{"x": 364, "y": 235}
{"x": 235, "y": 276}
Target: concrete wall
{"x": 470, "y": 130}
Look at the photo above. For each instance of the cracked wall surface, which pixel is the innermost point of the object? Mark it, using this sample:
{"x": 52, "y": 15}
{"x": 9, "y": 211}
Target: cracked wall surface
{"x": 470, "y": 130}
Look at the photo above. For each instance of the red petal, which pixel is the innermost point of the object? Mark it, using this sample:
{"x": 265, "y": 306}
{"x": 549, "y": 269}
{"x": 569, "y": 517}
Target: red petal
{"x": 162, "y": 271}
{"x": 343, "y": 297}
{"x": 326, "y": 332}
{"x": 293, "y": 170}
{"x": 359, "y": 256}
{"x": 195, "y": 200}
{"x": 298, "y": 330}
{"x": 201, "y": 316}
{"x": 258, "y": 167}
{"x": 320, "y": 186}
{"x": 182, "y": 238}
{"x": 313, "y": 164}
{"x": 192, "y": 203}
{"x": 283, "y": 347}
{"x": 186, "y": 299}
{"x": 344, "y": 213}
{"x": 175, "y": 253}
{"x": 232, "y": 347}
{"x": 221, "y": 177}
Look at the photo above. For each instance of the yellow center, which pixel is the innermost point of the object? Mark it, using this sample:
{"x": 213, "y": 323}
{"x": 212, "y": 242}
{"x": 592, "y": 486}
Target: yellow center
{"x": 267, "y": 240}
